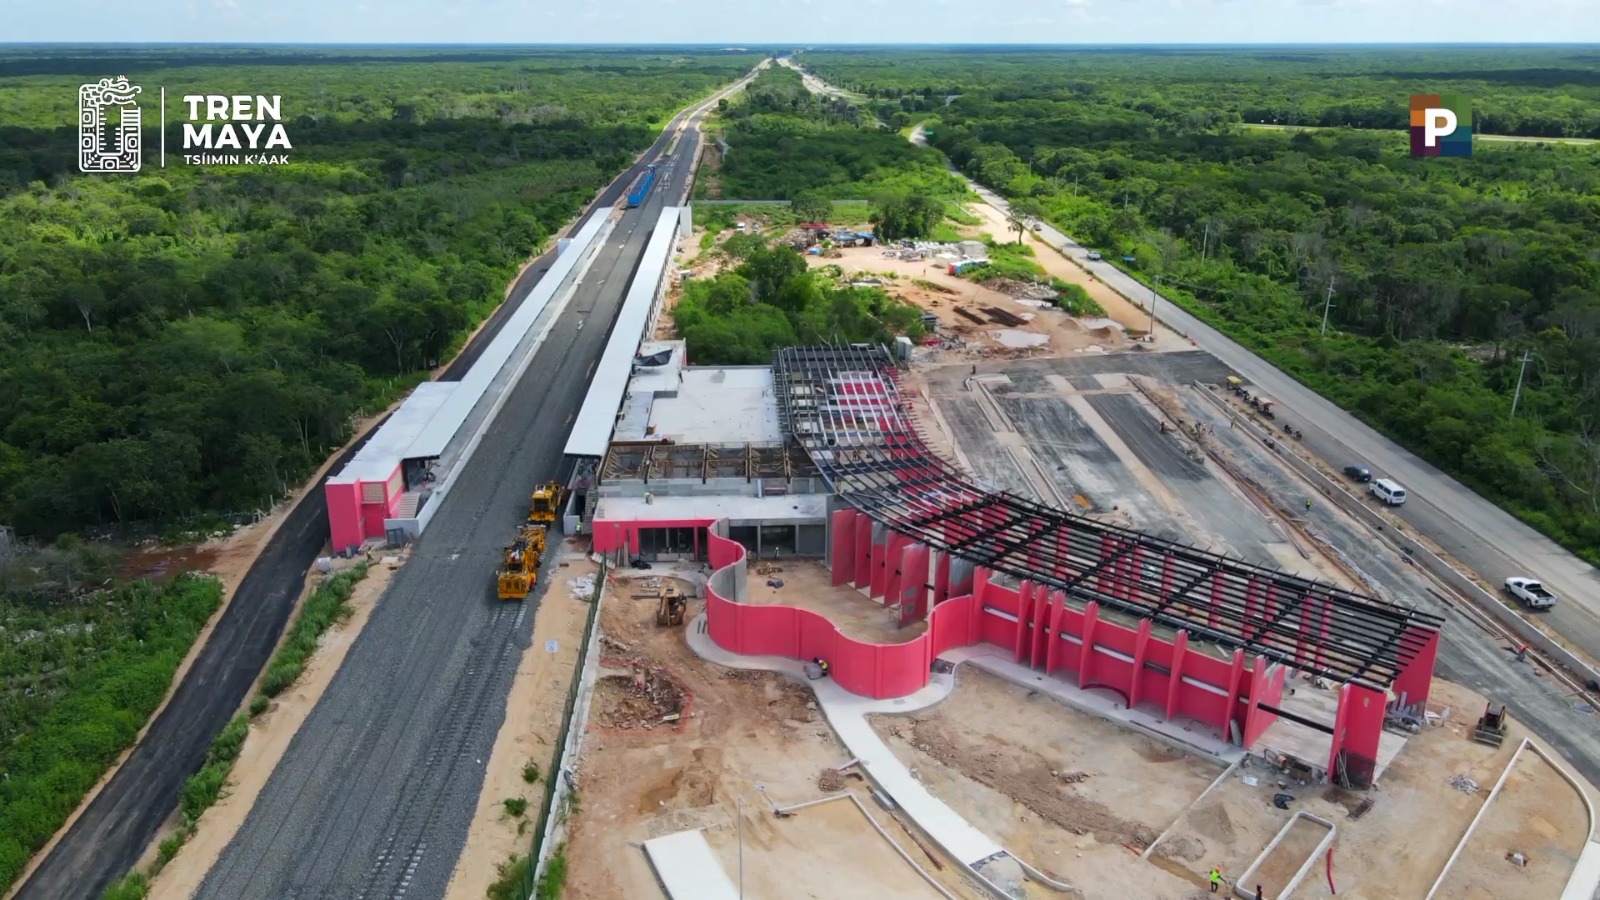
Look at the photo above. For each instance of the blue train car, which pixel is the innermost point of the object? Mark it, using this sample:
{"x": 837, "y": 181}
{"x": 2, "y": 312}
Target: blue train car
{"x": 641, "y": 186}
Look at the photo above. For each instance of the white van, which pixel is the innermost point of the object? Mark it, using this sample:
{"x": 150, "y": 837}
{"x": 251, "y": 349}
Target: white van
{"x": 1387, "y": 491}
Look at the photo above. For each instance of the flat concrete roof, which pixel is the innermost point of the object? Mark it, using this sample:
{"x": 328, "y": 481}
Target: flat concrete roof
{"x": 376, "y": 460}
{"x": 591, "y": 433}
{"x": 726, "y": 405}
{"x": 787, "y": 509}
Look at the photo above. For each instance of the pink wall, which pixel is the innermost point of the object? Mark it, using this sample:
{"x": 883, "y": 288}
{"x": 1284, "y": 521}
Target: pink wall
{"x": 1040, "y": 630}
{"x": 346, "y": 527}
{"x": 608, "y": 536}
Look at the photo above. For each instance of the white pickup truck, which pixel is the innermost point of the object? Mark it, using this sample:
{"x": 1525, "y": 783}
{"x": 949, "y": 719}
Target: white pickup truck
{"x": 1530, "y": 593}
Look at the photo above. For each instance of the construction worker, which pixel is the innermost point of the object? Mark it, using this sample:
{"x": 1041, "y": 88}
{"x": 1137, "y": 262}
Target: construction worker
{"x": 1308, "y": 504}
{"x": 1259, "y": 895}
{"x": 1215, "y": 878}
{"x": 823, "y": 665}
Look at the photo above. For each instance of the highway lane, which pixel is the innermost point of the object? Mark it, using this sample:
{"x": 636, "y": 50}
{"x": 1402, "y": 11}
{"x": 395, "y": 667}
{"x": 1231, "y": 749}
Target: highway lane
{"x": 375, "y": 793}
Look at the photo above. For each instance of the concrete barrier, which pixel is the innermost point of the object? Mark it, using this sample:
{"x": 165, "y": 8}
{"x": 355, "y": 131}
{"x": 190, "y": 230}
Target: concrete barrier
{"x": 1411, "y": 548}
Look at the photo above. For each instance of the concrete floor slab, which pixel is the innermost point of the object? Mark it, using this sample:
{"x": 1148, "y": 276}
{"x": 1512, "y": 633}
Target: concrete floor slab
{"x": 688, "y": 868}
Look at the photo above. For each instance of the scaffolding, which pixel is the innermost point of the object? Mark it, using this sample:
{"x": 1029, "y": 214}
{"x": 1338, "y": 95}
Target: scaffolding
{"x": 842, "y": 404}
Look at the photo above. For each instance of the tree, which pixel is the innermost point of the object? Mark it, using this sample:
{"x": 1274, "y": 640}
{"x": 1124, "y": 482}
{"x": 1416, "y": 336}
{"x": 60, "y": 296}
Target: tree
{"x": 1022, "y": 213}
{"x": 812, "y": 206}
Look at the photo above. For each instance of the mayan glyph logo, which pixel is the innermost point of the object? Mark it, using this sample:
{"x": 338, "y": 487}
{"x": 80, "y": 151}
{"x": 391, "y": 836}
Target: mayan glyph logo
{"x": 108, "y": 126}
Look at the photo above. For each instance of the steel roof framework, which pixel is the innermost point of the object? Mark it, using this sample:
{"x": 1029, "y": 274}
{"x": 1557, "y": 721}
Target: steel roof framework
{"x": 843, "y": 405}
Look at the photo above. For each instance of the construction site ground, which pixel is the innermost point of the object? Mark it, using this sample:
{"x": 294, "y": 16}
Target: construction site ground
{"x": 1067, "y": 792}
{"x": 270, "y": 734}
{"x": 807, "y": 585}
{"x": 1400, "y": 845}
{"x": 532, "y": 725}
{"x": 1092, "y": 442}
{"x": 694, "y": 742}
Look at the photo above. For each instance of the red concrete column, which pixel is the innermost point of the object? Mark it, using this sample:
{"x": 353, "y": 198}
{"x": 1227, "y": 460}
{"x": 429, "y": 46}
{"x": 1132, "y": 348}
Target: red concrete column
{"x": 1053, "y": 641}
{"x": 1216, "y": 598}
{"x": 1091, "y": 616}
{"x": 941, "y": 578}
{"x": 1180, "y": 651}
{"x": 1235, "y": 681}
{"x": 1043, "y": 612}
{"x": 1108, "y": 547}
{"x": 1024, "y": 619}
{"x": 1357, "y": 727}
{"x": 863, "y": 571}
{"x": 913, "y": 593}
{"x": 1415, "y": 681}
{"x": 892, "y": 573}
{"x": 1061, "y": 542}
{"x": 1252, "y": 607}
{"x": 1304, "y": 645}
{"x": 963, "y": 584}
{"x": 1141, "y": 645}
{"x": 1252, "y": 700}
{"x": 842, "y": 544}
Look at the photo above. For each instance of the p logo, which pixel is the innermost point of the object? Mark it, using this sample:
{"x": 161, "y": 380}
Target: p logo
{"x": 1441, "y": 125}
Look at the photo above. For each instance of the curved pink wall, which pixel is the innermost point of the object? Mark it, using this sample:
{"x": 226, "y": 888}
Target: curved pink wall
{"x": 879, "y": 671}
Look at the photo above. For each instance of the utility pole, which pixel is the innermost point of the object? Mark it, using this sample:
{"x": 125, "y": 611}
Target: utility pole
{"x": 1520, "y": 373}
{"x": 1327, "y": 305}
{"x": 1205, "y": 243}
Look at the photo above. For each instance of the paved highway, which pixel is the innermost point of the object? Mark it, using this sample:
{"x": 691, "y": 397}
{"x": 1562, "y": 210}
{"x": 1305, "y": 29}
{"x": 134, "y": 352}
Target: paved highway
{"x": 374, "y": 795}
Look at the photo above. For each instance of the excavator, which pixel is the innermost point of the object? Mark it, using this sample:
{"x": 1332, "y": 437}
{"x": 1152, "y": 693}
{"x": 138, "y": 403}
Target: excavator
{"x": 519, "y": 570}
{"x": 547, "y": 500}
{"x": 670, "y": 606}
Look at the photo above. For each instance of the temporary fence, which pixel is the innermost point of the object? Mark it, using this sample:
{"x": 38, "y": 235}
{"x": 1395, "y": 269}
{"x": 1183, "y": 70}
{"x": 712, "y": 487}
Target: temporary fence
{"x": 557, "y": 782}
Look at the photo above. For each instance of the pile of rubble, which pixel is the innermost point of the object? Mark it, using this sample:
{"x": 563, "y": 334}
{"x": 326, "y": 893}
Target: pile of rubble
{"x": 647, "y": 697}
{"x": 1021, "y": 289}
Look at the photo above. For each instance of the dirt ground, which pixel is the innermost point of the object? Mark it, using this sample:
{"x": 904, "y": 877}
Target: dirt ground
{"x": 1528, "y": 817}
{"x": 1124, "y": 312}
{"x": 270, "y": 734}
{"x": 1054, "y": 332}
{"x": 822, "y": 852}
{"x": 1399, "y": 846}
{"x": 1037, "y": 777}
{"x": 806, "y": 584}
{"x": 532, "y": 725}
{"x": 750, "y": 736}
{"x": 1286, "y": 859}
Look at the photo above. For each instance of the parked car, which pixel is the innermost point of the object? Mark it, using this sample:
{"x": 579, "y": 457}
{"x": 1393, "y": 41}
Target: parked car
{"x": 1094, "y": 255}
{"x": 1530, "y": 593}
{"x": 1359, "y": 473}
{"x": 1388, "y": 491}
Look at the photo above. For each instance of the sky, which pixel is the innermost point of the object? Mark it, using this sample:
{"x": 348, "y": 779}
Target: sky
{"x": 734, "y": 22}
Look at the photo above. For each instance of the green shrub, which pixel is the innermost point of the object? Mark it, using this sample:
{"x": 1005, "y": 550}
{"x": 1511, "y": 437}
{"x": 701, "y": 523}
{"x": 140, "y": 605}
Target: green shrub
{"x": 259, "y": 704}
{"x": 1075, "y": 300}
{"x": 115, "y": 667}
{"x": 554, "y": 878}
{"x": 133, "y": 886}
{"x": 515, "y": 806}
{"x": 530, "y": 772}
{"x": 169, "y": 847}
{"x": 201, "y": 790}
{"x": 514, "y": 874}
{"x": 225, "y": 748}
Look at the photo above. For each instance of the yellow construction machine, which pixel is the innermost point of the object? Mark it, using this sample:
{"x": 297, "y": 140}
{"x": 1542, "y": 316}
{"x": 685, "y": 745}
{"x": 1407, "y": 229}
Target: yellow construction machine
{"x": 519, "y": 569}
{"x": 670, "y": 606}
{"x": 547, "y": 500}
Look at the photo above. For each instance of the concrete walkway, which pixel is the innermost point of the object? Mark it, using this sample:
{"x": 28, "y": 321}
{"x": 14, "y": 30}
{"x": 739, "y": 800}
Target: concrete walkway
{"x": 847, "y": 714}
{"x": 688, "y": 868}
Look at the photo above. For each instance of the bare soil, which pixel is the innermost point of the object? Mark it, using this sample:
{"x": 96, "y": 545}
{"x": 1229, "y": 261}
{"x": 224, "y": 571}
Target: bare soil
{"x": 1400, "y": 845}
{"x": 528, "y": 735}
{"x": 1280, "y": 866}
{"x": 1038, "y": 777}
{"x": 750, "y": 738}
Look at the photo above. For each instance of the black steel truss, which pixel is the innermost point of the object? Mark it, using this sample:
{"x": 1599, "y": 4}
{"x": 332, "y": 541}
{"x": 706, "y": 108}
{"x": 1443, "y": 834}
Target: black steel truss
{"x": 842, "y": 405}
